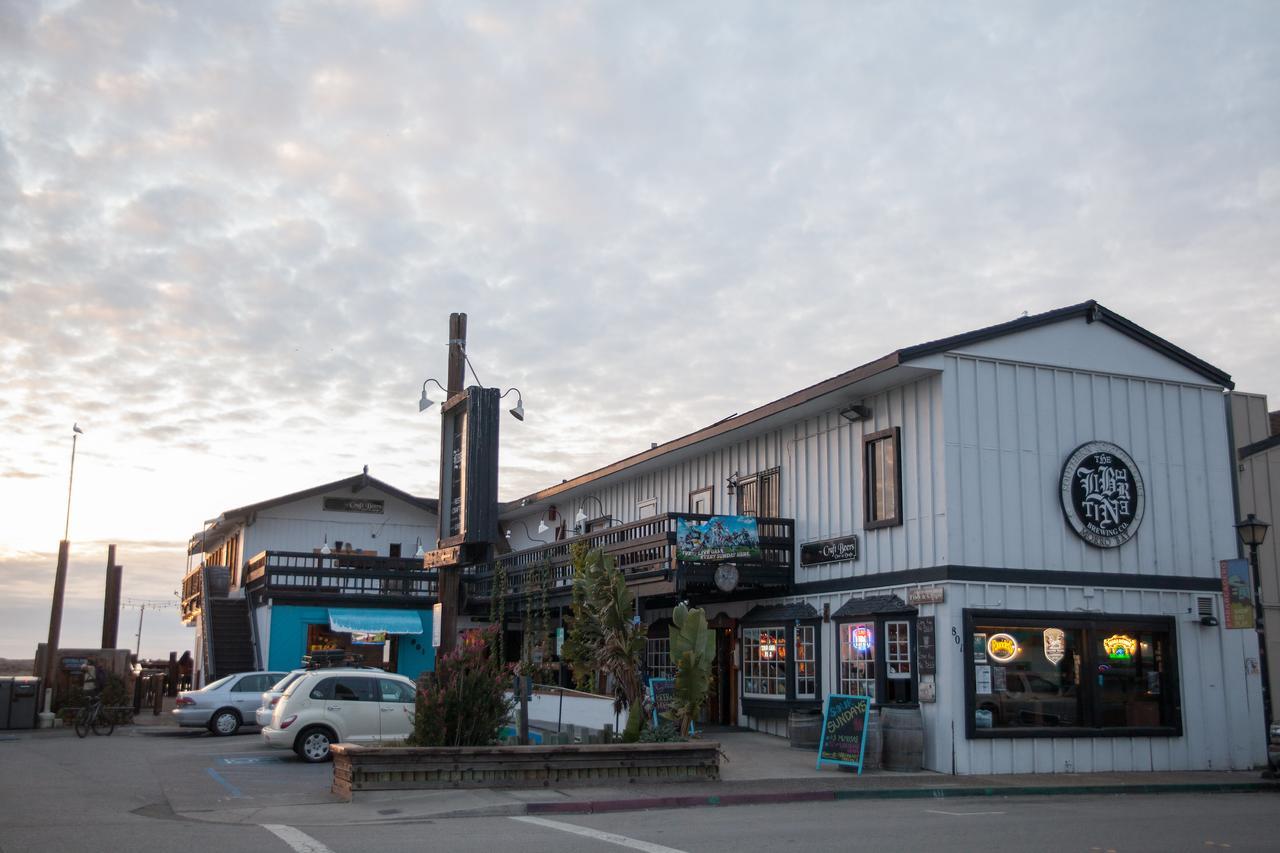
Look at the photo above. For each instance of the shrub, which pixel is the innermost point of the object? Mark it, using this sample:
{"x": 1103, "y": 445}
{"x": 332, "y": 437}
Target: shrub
{"x": 464, "y": 702}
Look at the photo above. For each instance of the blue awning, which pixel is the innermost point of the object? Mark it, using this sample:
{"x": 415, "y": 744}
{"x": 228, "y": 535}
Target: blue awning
{"x": 375, "y": 621}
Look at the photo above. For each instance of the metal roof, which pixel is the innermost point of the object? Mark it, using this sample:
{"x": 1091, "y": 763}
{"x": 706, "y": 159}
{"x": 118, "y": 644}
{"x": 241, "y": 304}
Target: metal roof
{"x": 872, "y": 605}
{"x": 780, "y": 612}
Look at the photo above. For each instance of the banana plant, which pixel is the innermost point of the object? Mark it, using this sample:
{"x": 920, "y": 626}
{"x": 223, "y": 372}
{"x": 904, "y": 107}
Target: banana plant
{"x": 693, "y": 649}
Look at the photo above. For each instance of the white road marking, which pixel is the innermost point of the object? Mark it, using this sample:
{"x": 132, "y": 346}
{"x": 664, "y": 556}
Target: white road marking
{"x": 959, "y": 814}
{"x": 620, "y": 840}
{"x": 296, "y": 838}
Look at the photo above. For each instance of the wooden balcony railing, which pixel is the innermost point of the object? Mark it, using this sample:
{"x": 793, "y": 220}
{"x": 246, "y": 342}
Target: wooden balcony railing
{"x": 644, "y": 550}
{"x": 294, "y": 574}
{"x": 190, "y": 607}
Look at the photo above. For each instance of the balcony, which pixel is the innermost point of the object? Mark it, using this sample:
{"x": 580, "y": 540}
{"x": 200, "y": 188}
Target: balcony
{"x": 219, "y": 578}
{"x": 645, "y": 551}
{"x": 283, "y": 576}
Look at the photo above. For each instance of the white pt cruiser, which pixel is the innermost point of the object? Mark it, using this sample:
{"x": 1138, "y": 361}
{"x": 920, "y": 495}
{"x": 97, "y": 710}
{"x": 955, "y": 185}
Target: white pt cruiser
{"x": 328, "y": 706}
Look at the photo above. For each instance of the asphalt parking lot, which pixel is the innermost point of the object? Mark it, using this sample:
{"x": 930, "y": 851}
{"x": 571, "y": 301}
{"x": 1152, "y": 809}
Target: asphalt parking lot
{"x": 202, "y": 773}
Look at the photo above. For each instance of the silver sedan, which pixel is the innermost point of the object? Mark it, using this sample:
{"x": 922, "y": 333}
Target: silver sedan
{"x": 226, "y": 704}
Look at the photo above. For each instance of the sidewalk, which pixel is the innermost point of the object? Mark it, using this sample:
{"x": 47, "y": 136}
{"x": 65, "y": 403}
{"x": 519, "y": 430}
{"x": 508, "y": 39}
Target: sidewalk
{"x": 757, "y": 769}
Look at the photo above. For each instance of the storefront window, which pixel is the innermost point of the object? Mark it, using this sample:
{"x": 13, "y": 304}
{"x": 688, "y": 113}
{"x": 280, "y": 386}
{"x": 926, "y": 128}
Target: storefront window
{"x": 1070, "y": 673}
{"x": 897, "y": 649}
{"x": 858, "y": 659}
{"x": 806, "y": 663}
{"x": 764, "y": 662}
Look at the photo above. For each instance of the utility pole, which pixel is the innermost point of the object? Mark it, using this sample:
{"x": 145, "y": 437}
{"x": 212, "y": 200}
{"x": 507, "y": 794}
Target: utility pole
{"x": 449, "y": 580}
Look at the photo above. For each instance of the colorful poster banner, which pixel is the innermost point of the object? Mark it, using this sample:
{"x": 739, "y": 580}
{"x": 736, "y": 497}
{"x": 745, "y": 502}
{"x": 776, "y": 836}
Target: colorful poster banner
{"x": 844, "y": 730}
{"x": 720, "y": 537}
{"x": 1237, "y": 593}
{"x": 661, "y": 692}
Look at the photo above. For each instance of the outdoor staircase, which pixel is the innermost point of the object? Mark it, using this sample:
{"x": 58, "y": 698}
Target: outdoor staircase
{"x": 230, "y": 637}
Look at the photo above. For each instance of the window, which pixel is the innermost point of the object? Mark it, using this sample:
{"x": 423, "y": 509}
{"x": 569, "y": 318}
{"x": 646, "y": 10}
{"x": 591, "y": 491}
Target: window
{"x": 700, "y": 502}
{"x": 806, "y": 663}
{"x": 1055, "y": 674}
{"x": 882, "y": 478}
{"x": 395, "y": 691}
{"x": 647, "y": 509}
{"x": 657, "y": 657}
{"x": 758, "y": 494}
{"x": 858, "y": 659}
{"x": 764, "y": 662}
{"x": 353, "y": 690}
{"x": 897, "y": 649}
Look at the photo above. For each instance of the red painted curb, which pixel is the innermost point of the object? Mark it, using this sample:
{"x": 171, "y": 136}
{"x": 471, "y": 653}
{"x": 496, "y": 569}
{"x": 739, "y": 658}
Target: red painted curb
{"x": 641, "y": 804}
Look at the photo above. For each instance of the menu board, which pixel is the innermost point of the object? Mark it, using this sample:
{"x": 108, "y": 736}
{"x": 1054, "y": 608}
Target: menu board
{"x": 661, "y": 692}
{"x": 844, "y": 729}
{"x": 926, "y": 646}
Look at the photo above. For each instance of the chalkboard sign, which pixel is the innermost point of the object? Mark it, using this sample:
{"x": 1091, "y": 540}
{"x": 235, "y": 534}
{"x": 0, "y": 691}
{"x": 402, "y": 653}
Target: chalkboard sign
{"x": 844, "y": 729}
{"x": 661, "y": 692}
{"x": 926, "y": 646}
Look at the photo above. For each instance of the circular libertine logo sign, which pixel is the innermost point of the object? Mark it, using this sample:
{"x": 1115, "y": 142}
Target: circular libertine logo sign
{"x": 1102, "y": 494}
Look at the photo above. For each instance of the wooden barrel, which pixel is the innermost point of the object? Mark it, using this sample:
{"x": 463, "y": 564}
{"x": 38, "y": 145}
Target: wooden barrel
{"x": 803, "y": 728}
{"x": 903, "y": 732}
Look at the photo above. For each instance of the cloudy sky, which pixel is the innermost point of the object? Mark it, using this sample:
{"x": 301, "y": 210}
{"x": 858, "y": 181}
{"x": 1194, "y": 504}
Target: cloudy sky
{"x": 231, "y": 233}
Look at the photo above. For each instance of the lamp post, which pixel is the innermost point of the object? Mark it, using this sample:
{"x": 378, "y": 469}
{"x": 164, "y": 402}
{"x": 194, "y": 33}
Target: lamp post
{"x": 59, "y": 589}
{"x": 1252, "y": 532}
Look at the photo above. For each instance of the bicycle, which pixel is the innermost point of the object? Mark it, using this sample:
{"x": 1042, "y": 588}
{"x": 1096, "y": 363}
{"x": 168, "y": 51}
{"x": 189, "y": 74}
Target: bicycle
{"x": 93, "y": 716}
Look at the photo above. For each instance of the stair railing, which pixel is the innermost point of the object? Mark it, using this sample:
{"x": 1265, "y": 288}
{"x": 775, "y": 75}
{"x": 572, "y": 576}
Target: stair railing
{"x": 206, "y": 634}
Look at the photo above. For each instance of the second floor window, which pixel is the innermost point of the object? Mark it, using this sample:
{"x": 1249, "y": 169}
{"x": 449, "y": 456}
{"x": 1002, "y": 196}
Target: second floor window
{"x": 758, "y": 494}
{"x": 882, "y": 478}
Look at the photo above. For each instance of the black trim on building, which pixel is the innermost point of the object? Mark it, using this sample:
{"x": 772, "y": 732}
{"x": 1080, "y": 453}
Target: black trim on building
{"x": 991, "y": 574}
{"x": 1258, "y": 446}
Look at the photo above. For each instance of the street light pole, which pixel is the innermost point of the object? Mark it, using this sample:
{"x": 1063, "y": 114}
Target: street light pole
{"x": 59, "y": 589}
{"x": 76, "y": 432}
{"x": 1253, "y": 531}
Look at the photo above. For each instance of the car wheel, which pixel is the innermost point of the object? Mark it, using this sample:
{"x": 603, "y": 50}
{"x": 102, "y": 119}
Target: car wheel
{"x": 313, "y": 745}
{"x": 225, "y": 722}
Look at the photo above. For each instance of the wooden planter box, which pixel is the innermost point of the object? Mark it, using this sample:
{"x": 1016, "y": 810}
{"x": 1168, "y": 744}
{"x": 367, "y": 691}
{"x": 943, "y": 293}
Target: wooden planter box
{"x": 360, "y": 768}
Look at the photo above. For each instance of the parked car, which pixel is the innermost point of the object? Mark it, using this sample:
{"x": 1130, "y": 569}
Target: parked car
{"x": 272, "y": 696}
{"x": 327, "y": 706}
{"x": 226, "y": 704}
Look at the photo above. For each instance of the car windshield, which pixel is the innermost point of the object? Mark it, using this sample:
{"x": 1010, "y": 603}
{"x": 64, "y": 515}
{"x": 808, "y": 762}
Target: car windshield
{"x": 280, "y": 685}
{"x": 214, "y": 685}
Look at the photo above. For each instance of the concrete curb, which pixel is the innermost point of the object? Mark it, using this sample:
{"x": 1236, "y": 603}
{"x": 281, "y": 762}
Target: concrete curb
{"x": 702, "y": 801}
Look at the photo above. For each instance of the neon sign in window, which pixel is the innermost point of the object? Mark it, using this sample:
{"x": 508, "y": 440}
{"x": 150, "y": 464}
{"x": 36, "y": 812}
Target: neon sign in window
{"x": 1120, "y": 646}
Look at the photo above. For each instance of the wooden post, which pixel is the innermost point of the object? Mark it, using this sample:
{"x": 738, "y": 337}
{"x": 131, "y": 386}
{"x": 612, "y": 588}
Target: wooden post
{"x": 174, "y": 675}
{"x": 55, "y": 615}
{"x": 111, "y": 601}
{"x": 457, "y": 348}
{"x": 449, "y": 580}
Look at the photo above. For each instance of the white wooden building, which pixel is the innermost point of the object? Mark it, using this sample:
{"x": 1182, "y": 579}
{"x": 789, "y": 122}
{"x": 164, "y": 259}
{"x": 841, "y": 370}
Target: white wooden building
{"x": 275, "y": 579}
{"x": 946, "y": 569}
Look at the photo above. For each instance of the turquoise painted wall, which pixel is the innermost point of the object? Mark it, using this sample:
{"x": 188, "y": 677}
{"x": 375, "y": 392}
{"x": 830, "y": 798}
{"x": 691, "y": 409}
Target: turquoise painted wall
{"x": 289, "y": 640}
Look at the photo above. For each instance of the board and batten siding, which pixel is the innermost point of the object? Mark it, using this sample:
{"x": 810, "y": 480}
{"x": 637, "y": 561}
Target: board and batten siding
{"x": 820, "y": 463}
{"x": 303, "y": 525}
{"x": 1011, "y": 426}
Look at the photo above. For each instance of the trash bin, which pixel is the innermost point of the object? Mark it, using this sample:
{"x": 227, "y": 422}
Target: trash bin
{"x": 6, "y": 693}
{"x": 24, "y": 702}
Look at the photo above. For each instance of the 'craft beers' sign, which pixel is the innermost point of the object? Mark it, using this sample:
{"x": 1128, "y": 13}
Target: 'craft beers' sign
{"x": 829, "y": 551}
{"x": 844, "y": 730}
